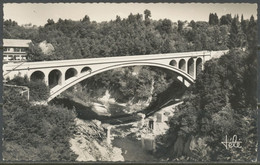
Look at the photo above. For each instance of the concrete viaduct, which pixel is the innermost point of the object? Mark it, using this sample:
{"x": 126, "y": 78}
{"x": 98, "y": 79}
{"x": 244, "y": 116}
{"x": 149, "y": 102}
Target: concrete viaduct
{"x": 63, "y": 74}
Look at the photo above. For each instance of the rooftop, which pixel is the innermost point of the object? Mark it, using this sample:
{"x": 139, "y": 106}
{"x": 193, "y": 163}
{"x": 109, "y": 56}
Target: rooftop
{"x": 16, "y": 43}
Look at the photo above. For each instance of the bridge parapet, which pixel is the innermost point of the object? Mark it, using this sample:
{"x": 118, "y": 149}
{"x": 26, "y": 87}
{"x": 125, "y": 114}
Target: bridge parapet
{"x": 94, "y": 61}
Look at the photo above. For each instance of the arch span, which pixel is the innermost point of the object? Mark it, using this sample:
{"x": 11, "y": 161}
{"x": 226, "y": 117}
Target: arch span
{"x": 86, "y": 69}
{"x": 37, "y": 76}
{"x": 182, "y": 64}
{"x": 71, "y": 72}
{"x": 84, "y": 75}
{"x": 191, "y": 66}
{"x": 55, "y": 78}
{"x": 198, "y": 66}
{"x": 173, "y": 63}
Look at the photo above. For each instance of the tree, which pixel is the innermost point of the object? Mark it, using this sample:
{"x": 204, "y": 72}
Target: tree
{"x": 243, "y": 24}
{"x": 226, "y": 19}
{"x": 86, "y": 19}
{"x": 235, "y": 36}
{"x": 213, "y": 19}
{"x": 252, "y": 33}
{"x": 180, "y": 26}
{"x": 35, "y": 53}
{"x": 147, "y": 14}
{"x": 49, "y": 22}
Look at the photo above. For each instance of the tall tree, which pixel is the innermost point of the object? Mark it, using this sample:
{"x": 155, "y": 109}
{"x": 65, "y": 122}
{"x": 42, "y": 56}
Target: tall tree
{"x": 226, "y": 19}
{"x": 252, "y": 33}
{"x": 243, "y": 24}
{"x": 236, "y": 36}
{"x": 213, "y": 19}
{"x": 147, "y": 14}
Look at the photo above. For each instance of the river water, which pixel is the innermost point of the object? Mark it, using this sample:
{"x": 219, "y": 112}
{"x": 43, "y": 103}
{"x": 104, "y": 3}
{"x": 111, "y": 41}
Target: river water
{"x": 132, "y": 150}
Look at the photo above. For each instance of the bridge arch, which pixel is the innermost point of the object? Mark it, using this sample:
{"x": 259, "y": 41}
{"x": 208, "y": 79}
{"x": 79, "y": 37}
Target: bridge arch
{"x": 86, "y": 69}
{"x": 191, "y": 67}
{"x": 82, "y": 76}
{"x": 55, "y": 78}
{"x": 37, "y": 76}
{"x": 173, "y": 63}
{"x": 182, "y": 64}
{"x": 71, "y": 72}
{"x": 198, "y": 66}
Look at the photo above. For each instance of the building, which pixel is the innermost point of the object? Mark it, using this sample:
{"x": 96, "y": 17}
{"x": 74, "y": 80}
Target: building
{"x": 15, "y": 49}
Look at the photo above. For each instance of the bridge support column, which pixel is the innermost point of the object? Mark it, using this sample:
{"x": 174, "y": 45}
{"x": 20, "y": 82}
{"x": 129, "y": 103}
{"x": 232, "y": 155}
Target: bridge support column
{"x": 180, "y": 78}
{"x": 62, "y": 79}
{"x": 107, "y": 129}
{"x": 46, "y": 78}
{"x": 108, "y": 135}
{"x": 186, "y": 66}
{"x": 202, "y": 63}
{"x": 195, "y": 68}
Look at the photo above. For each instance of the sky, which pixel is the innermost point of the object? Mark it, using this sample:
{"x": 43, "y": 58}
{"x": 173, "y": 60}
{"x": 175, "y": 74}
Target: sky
{"x": 39, "y": 13}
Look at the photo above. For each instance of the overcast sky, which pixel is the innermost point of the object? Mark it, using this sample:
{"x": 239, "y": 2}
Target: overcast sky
{"x": 38, "y": 14}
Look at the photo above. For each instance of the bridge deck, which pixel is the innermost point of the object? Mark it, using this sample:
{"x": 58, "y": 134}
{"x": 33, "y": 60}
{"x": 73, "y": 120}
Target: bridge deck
{"x": 92, "y": 61}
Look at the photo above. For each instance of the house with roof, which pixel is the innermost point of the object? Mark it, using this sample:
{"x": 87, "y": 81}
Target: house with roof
{"x": 15, "y": 49}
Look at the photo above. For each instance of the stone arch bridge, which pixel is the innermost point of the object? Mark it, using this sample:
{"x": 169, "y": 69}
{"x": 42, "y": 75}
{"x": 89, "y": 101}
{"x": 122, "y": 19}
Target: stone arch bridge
{"x": 62, "y": 74}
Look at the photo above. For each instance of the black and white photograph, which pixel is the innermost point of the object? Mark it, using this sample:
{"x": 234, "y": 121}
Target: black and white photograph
{"x": 129, "y": 82}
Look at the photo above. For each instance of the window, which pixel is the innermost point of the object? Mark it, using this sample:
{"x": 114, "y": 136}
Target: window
{"x": 17, "y": 49}
{"x": 6, "y": 49}
{"x": 23, "y": 49}
{"x": 11, "y": 57}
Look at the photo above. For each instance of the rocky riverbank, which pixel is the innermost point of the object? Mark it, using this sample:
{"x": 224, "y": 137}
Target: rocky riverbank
{"x": 89, "y": 143}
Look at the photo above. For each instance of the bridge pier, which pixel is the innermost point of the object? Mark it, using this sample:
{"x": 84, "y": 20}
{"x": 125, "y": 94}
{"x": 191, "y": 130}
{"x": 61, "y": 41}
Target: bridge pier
{"x": 46, "y": 78}
{"x": 62, "y": 79}
{"x": 186, "y": 65}
{"x": 107, "y": 129}
{"x": 195, "y": 68}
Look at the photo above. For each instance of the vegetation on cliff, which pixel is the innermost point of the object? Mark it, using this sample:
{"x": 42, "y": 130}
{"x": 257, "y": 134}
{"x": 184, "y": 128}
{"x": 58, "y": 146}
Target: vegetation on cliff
{"x": 50, "y": 133}
{"x": 38, "y": 133}
{"x": 221, "y": 103}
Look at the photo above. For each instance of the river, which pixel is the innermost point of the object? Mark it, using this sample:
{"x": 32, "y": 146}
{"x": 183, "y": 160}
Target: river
{"x": 132, "y": 150}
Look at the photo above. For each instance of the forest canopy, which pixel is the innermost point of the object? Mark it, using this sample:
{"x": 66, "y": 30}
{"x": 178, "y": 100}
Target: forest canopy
{"x": 135, "y": 35}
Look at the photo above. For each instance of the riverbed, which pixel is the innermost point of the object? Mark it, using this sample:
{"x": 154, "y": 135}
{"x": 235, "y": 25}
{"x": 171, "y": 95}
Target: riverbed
{"x": 125, "y": 137}
{"x": 122, "y": 132}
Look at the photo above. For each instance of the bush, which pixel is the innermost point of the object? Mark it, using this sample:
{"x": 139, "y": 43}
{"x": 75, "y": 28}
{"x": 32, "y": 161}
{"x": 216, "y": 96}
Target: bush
{"x": 38, "y": 89}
